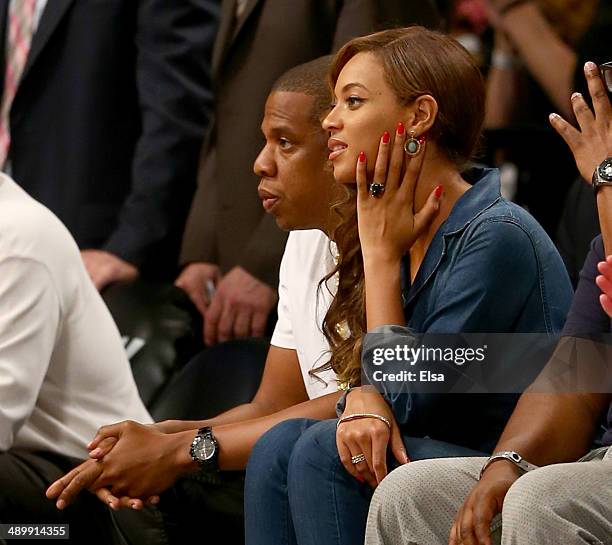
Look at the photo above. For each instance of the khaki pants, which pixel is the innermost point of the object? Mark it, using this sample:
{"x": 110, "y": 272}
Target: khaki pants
{"x": 569, "y": 504}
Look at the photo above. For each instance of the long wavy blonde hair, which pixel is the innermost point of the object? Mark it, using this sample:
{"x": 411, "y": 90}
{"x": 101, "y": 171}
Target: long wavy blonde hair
{"x": 416, "y": 62}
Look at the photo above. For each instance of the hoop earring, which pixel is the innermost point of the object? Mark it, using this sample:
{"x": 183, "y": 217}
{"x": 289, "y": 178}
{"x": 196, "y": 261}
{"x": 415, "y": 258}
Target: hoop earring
{"x": 412, "y": 146}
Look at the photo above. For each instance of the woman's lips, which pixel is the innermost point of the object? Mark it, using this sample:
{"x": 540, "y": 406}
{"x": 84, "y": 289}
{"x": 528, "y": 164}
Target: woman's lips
{"x": 336, "y": 147}
{"x": 335, "y": 153}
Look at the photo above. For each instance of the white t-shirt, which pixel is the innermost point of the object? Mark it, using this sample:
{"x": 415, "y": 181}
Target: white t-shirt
{"x": 302, "y": 305}
{"x": 63, "y": 369}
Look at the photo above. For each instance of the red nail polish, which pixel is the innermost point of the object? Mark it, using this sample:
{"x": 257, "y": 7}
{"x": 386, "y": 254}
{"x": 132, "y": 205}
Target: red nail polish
{"x": 438, "y": 191}
{"x": 421, "y": 140}
{"x": 362, "y": 156}
{"x": 360, "y": 479}
{"x": 400, "y": 128}
{"x": 385, "y": 137}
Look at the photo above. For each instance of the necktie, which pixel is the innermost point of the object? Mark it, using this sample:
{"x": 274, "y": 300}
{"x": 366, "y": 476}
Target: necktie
{"x": 20, "y": 31}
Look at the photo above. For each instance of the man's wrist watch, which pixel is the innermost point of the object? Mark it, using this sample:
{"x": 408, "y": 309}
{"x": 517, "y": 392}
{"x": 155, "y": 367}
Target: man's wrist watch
{"x": 603, "y": 174}
{"x": 205, "y": 450}
{"x": 511, "y": 456}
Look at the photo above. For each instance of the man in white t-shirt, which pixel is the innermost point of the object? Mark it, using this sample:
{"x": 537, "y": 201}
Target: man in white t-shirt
{"x": 297, "y": 187}
{"x": 63, "y": 369}
{"x": 302, "y": 305}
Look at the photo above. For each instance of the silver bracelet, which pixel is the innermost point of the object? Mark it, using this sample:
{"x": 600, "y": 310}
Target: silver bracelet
{"x": 357, "y": 416}
{"x": 511, "y": 456}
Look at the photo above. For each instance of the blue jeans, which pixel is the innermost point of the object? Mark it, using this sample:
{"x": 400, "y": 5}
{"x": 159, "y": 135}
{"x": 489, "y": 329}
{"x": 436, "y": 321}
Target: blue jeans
{"x": 298, "y": 492}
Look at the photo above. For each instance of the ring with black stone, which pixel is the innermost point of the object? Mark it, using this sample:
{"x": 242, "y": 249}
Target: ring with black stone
{"x": 376, "y": 190}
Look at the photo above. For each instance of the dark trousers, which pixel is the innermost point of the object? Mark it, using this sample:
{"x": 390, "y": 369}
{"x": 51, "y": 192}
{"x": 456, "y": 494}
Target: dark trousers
{"x": 214, "y": 381}
{"x": 24, "y": 477}
{"x": 194, "y": 506}
{"x": 201, "y": 506}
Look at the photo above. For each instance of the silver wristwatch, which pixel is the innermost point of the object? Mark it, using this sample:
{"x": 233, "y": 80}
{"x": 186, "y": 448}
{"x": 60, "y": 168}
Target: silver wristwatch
{"x": 205, "y": 450}
{"x": 511, "y": 456}
{"x": 602, "y": 174}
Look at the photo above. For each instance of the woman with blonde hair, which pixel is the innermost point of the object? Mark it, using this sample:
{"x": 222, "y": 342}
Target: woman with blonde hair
{"x": 424, "y": 247}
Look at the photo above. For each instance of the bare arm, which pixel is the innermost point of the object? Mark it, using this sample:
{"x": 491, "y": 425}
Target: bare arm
{"x": 281, "y": 396}
{"x": 388, "y": 226}
{"x": 281, "y": 387}
{"x": 144, "y": 461}
{"x": 549, "y": 60}
{"x": 553, "y": 428}
{"x": 604, "y": 205}
{"x": 544, "y": 429}
{"x": 237, "y": 440}
{"x": 501, "y": 86}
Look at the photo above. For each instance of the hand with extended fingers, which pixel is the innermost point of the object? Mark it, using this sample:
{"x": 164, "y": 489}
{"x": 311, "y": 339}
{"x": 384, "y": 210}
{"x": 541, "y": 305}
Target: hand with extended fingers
{"x": 129, "y": 463}
{"x": 593, "y": 142}
{"x": 388, "y": 223}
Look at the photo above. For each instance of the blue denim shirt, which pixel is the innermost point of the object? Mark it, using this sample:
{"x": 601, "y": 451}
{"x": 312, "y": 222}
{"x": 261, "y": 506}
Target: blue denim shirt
{"x": 489, "y": 268}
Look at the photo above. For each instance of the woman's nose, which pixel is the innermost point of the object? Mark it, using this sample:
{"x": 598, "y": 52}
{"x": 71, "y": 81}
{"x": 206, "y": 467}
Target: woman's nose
{"x": 331, "y": 121}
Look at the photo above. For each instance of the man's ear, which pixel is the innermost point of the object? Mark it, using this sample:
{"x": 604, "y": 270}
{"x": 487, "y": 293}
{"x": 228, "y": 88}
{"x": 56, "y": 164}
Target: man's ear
{"x": 423, "y": 114}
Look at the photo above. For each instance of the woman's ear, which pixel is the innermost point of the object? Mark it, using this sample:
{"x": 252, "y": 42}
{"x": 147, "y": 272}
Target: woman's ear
{"x": 424, "y": 113}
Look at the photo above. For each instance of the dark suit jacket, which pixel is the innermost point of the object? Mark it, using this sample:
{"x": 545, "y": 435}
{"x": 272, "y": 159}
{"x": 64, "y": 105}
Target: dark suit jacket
{"x": 110, "y": 114}
{"x": 227, "y": 224}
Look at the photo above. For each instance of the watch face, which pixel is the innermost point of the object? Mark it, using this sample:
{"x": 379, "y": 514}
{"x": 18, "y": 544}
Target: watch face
{"x": 205, "y": 449}
{"x": 605, "y": 170}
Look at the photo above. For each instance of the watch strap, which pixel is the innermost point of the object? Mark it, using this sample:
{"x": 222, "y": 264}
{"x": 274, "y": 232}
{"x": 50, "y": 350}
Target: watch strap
{"x": 511, "y": 456}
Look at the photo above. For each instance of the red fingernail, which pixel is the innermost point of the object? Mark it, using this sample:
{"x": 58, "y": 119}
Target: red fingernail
{"x": 421, "y": 140}
{"x": 400, "y": 128}
{"x": 360, "y": 479}
{"x": 385, "y": 137}
{"x": 362, "y": 156}
{"x": 438, "y": 191}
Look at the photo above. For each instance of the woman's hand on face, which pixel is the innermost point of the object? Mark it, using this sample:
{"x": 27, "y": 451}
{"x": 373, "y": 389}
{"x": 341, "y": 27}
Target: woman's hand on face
{"x": 368, "y": 436}
{"x": 593, "y": 142}
{"x": 388, "y": 224}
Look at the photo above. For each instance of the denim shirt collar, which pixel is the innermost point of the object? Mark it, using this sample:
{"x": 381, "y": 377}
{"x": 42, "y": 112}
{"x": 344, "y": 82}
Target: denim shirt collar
{"x": 484, "y": 193}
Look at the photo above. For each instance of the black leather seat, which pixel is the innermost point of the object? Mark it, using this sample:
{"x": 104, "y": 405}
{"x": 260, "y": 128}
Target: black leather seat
{"x": 216, "y": 380}
{"x": 176, "y": 377}
{"x": 161, "y": 331}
